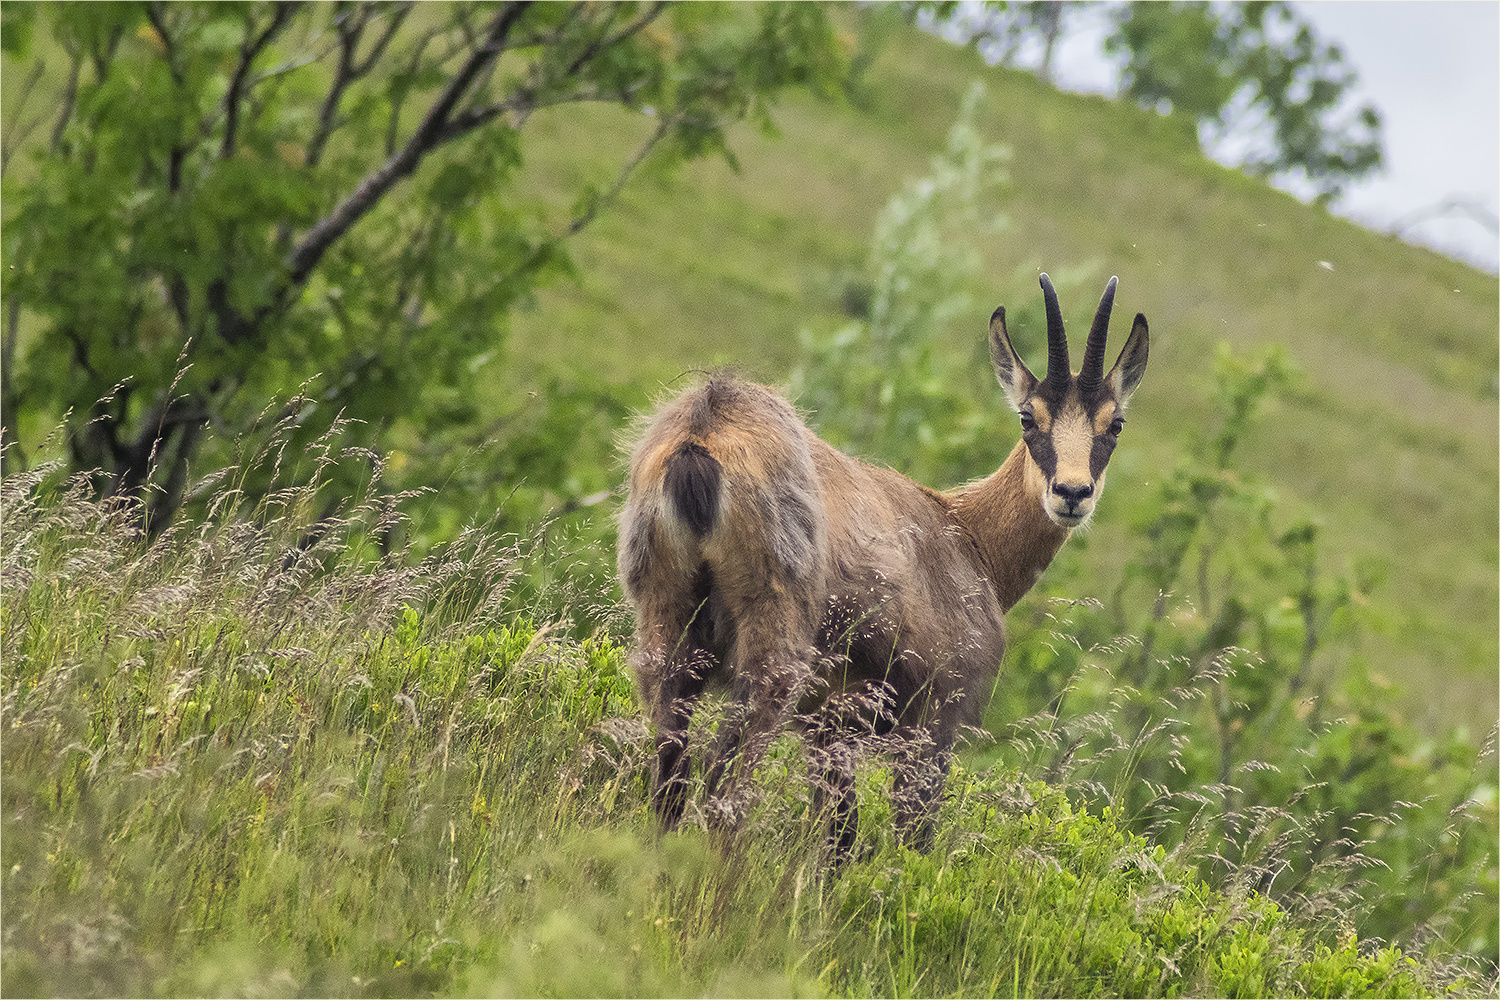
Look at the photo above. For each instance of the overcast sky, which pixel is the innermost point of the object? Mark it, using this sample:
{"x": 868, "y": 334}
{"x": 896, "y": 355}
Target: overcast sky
{"x": 1432, "y": 69}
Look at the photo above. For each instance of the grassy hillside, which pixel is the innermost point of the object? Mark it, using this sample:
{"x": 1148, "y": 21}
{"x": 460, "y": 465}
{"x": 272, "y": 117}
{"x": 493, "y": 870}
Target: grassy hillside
{"x": 1388, "y": 440}
{"x": 262, "y": 753}
{"x": 237, "y": 767}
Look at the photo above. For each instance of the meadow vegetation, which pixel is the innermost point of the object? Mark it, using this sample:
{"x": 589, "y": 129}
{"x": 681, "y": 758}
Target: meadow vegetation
{"x": 237, "y": 762}
{"x": 383, "y": 742}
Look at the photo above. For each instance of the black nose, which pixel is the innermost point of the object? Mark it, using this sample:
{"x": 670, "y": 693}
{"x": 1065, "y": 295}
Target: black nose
{"x": 1073, "y": 494}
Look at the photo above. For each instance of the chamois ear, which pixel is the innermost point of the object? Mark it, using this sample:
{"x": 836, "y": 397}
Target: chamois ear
{"x": 1010, "y": 371}
{"x": 1131, "y": 365}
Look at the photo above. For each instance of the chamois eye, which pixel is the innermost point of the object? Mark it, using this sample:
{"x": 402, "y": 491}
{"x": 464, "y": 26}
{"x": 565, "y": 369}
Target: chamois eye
{"x": 1117, "y": 425}
{"x": 1028, "y": 422}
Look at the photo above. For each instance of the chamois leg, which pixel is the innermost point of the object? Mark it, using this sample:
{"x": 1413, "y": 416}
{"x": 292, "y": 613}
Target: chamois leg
{"x": 923, "y": 757}
{"x": 831, "y": 765}
{"x": 840, "y": 729}
{"x": 679, "y": 692}
{"x": 671, "y": 668}
{"x": 770, "y": 673}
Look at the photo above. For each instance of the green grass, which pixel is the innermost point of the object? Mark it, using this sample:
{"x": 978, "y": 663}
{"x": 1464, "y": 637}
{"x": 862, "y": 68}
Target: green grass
{"x": 237, "y": 763}
{"x": 1389, "y": 441}
{"x": 248, "y": 760}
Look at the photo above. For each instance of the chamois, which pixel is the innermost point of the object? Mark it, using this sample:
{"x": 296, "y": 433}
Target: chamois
{"x": 843, "y": 594}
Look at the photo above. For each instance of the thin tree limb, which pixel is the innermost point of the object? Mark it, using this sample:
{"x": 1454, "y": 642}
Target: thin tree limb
{"x": 168, "y": 43}
{"x": 10, "y": 448}
{"x": 351, "y": 69}
{"x": 69, "y": 98}
{"x": 525, "y": 100}
{"x": 350, "y": 30}
{"x": 595, "y": 205}
{"x": 249, "y": 50}
{"x": 306, "y": 255}
{"x": 378, "y": 49}
{"x": 393, "y": 127}
{"x": 12, "y": 140}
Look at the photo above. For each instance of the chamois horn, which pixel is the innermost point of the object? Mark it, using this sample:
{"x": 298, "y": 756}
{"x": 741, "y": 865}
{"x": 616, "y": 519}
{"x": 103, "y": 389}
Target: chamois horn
{"x": 1058, "y": 371}
{"x": 1091, "y": 375}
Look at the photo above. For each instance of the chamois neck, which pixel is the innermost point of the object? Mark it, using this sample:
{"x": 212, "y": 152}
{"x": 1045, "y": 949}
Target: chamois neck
{"x": 1015, "y": 537}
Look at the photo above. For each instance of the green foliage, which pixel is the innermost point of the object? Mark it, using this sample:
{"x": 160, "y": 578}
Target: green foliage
{"x": 388, "y": 697}
{"x": 233, "y": 770}
{"x": 1262, "y": 90}
{"x": 210, "y": 224}
{"x": 1252, "y": 69}
{"x": 1000, "y": 29}
{"x": 227, "y": 770}
{"x": 1217, "y": 696}
{"x": 1037, "y": 899}
{"x": 883, "y": 387}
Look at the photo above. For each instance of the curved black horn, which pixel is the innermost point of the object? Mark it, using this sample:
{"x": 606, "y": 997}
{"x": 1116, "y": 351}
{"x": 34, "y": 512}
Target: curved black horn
{"x": 1058, "y": 371}
{"x": 1091, "y": 374}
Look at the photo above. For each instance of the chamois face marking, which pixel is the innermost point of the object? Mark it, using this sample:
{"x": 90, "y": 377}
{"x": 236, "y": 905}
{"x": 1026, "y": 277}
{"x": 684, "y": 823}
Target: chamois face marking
{"x": 1070, "y": 423}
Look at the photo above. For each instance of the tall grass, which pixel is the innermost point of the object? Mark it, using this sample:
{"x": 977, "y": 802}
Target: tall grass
{"x": 261, "y": 754}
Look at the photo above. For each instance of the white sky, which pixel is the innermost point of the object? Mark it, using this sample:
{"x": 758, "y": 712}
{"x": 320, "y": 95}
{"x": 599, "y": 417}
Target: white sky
{"x": 1432, "y": 70}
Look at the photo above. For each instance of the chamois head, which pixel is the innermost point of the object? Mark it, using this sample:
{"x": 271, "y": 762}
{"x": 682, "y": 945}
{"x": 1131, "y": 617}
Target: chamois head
{"x": 1070, "y": 423}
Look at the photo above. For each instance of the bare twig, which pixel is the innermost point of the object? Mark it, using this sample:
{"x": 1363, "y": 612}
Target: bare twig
{"x": 397, "y": 18}
{"x": 176, "y": 156}
{"x": 69, "y": 98}
{"x": 398, "y": 101}
{"x": 663, "y": 128}
{"x": 154, "y": 14}
{"x": 1452, "y": 205}
{"x": 10, "y": 450}
{"x": 525, "y": 100}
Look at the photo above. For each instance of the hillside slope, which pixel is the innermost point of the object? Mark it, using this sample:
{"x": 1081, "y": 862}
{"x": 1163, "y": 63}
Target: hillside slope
{"x": 1388, "y": 440}
{"x": 227, "y": 775}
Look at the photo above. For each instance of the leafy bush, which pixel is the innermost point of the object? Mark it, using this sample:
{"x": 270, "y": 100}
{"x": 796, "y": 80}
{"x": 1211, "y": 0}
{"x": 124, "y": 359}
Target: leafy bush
{"x": 1034, "y": 898}
{"x": 1218, "y": 697}
{"x": 882, "y": 387}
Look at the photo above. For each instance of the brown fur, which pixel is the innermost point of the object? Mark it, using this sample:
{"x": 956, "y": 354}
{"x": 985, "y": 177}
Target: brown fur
{"x": 839, "y": 592}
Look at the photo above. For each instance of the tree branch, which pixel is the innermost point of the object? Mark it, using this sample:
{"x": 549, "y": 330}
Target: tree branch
{"x": 398, "y": 101}
{"x": 11, "y": 453}
{"x": 248, "y": 51}
{"x": 177, "y": 154}
{"x": 592, "y": 50}
{"x": 663, "y": 128}
{"x": 168, "y": 43}
{"x": 69, "y": 99}
{"x": 10, "y": 140}
{"x": 429, "y": 134}
{"x": 378, "y": 49}
{"x": 525, "y": 100}
{"x": 596, "y": 205}
{"x": 351, "y": 32}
